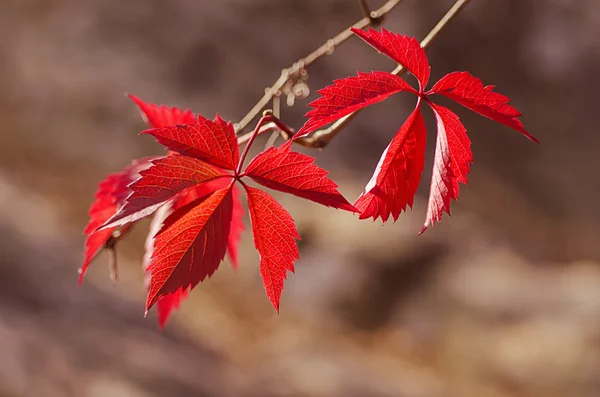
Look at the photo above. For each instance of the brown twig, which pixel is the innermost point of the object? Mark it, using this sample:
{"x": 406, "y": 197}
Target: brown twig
{"x": 321, "y": 138}
{"x": 294, "y": 70}
{"x": 111, "y": 247}
{"x": 375, "y": 20}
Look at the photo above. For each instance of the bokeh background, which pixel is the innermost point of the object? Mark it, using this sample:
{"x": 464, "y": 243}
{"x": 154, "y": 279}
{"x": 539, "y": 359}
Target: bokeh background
{"x": 501, "y": 299}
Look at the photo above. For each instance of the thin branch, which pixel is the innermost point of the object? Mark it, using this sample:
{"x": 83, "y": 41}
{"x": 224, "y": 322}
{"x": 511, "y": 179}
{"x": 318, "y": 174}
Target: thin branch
{"x": 321, "y": 138}
{"x": 277, "y": 113}
{"x": 267, "y": 127}
{"x": 374, "y": 16}
{"x": 111, "y": 246}
{"x": 368, "y": 13}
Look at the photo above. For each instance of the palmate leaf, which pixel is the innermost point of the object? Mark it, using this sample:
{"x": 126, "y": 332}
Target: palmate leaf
{"x": 158, "y": 116}
{"x": 397, "y": 176}
{"x": 199, "y": 214}
{"x": 273, "y": 229}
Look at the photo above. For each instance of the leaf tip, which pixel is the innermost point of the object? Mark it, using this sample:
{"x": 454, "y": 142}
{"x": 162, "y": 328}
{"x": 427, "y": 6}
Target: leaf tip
{"x": 148, "y": 131}
{"x": 150, "y": 301}
{"x": 275, "y": 303}
{"x": 349, "y": 207}
{"x": 140, "y": 104}
{"x": 81, "y": 272}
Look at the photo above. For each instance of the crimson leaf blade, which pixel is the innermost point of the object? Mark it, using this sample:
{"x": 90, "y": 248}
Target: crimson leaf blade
{"x": 237, "y": 219}
{"x": 236, "y": 228}
{"x": 347, "y": 95}
{"x": 212, "y": 141}
{"x": 110, "y": 196}
{"x": 171, "y": 301}
{"x": 190, "y": 245}
{"x": 161, "y": 116}
{"x": 470, "y": 92}
{"x": 168, "y": 304}
{"x": 167, "y": 177}
{"x": 396, "y": 178}
{"x": 295, "y": 173}
{"x": 274, "y": 238}
{"x": 403, "y": 49}
{"x": 451, "y": 164}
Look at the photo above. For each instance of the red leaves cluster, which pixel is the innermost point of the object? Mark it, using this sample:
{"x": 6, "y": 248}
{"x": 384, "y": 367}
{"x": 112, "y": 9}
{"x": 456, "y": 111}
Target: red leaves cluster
{"x": 398, "y": 173}
{"x": 193, "y": 193}
{"x": 200, "y": 220}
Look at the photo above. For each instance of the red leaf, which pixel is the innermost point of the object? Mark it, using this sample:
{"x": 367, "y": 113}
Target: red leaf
{"x": 170, "y": 302}
{"x": 190, "y": 245}
{"x": 403, "y": 49}
{"x": 162, "y": 116}
{"x": 469, "y": 91}
{"x": 237, "y": 221}
{"x": 237, "y": 227}
{"x": 292, "y": 172}
{"x": 110, "y": 196}
{"x": 398, "y": 173}
{"x": 274, "y": 237}
{"x": 350, "y": 94}
{"x": 451, "y": 164}
{"x": 167, "y": 177}
{"x": 212, "y": 141}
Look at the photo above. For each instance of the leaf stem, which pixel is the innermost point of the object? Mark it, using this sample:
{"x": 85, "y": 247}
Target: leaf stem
{"x": 111, "y": 246}
{"x": 325, "y": 49}
{"x": 321, "y": 138}
{"x": 267, "y": 116}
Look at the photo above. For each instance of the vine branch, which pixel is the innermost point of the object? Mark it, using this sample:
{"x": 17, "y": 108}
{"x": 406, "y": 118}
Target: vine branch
{"x": 375, "y": 20}
{"x": 371, "y": 18}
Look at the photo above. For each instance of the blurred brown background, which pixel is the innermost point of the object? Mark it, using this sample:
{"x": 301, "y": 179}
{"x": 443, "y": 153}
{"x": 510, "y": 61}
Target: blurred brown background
{"x": 502, "y": 299}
